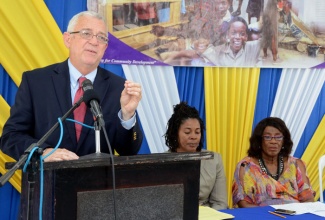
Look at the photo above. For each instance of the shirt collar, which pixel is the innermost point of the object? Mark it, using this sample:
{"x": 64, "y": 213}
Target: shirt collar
{"x": 75, "y": 75}
{"x": 226, "y": 49}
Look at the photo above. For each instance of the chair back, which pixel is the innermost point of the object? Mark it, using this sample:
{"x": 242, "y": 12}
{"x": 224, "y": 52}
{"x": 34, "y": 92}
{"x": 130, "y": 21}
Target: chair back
{"x": 321, "y": 165}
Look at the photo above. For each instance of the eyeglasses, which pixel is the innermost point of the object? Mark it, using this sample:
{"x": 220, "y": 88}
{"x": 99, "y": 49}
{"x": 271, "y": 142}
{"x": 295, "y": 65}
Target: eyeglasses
{"x": 269, "y": 138}
{"x": 87, "y": 34}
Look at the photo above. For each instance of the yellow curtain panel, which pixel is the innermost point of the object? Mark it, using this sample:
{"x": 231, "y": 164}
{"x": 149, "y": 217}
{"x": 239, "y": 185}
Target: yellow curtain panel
{"x": 230, "y": 97}
{"x": 4, "y": 115}
{"x": 27, "y": 28}
{"x": 315, "y": 149}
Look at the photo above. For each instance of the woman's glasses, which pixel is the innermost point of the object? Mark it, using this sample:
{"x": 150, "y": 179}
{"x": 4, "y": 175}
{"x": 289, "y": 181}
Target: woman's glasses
{"x": 268, "y": 138}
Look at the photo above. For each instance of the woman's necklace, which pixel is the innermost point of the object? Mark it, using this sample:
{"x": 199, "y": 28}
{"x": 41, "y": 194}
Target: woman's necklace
{"x": 266, "y": 171}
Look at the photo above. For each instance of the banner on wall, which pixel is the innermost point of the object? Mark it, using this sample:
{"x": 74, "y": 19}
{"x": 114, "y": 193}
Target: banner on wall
{"x": 229, "y": 33}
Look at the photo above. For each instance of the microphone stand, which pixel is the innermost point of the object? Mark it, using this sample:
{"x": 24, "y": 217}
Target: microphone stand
{"x": 98, "y": 124}
{"x": 91, "y": 100}
{"x": 97, "y": 137}
{"x": 33, "y": 167}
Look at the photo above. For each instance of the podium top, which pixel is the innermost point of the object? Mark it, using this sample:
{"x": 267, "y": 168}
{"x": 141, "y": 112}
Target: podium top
{"x": 102, "y": 159}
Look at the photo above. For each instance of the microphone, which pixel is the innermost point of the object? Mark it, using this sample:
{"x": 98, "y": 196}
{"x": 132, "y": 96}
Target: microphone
{"x": 91, "y": 99}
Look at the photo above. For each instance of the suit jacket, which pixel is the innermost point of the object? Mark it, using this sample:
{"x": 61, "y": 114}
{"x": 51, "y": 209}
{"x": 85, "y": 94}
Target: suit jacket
{"x": 44, "y": 95}
{"x": 213, "y": 184}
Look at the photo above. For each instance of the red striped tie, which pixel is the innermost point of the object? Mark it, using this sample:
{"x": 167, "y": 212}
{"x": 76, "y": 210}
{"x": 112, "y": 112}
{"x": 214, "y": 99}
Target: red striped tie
{"x": 79, "y": 113}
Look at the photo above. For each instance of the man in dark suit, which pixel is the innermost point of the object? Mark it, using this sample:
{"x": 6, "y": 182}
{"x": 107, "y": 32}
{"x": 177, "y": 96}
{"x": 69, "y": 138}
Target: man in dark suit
{"x": 45, "y": 94}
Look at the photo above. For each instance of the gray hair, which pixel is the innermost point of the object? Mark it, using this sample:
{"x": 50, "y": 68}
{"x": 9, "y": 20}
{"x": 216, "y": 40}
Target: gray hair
{"x": 74, "y": 20}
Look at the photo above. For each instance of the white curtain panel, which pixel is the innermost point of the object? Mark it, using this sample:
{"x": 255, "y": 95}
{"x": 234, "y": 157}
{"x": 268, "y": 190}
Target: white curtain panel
{"x": 159, "y": 95}
{"x": 296, "y": 95}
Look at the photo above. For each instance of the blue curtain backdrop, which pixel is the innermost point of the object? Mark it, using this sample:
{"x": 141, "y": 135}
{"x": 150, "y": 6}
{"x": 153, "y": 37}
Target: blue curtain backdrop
{"x": 8, "y": 88}
{"x": 267, "y": 87}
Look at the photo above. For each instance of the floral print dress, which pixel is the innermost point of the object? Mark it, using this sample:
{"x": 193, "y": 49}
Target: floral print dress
{"x": 260, "y": 189}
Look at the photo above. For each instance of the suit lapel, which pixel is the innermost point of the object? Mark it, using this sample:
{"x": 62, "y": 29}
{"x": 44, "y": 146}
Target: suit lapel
{"x": 101, "y": 84}
{"x": 61, "y": 82}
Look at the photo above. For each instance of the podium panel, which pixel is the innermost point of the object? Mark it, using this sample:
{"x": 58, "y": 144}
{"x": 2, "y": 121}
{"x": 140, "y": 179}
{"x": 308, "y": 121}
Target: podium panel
{"x": 155, "y": 186}
{"x": 150, "y": 202}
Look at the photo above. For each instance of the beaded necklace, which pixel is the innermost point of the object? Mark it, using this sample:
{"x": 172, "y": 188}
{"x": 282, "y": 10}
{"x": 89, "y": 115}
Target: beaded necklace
{"x": 266, "y": 171}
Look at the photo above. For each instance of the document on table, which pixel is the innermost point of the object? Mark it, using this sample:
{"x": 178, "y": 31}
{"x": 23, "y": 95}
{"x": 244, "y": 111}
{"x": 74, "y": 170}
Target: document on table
{"x": 207, "y": 213}
{"x": 317, "y": 208}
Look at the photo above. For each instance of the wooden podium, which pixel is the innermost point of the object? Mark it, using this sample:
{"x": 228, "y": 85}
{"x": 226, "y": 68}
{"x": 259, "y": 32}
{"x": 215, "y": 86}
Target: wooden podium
{"x": 155, "y": 186}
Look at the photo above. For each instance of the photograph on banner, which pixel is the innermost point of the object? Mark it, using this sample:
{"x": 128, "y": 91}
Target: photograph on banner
{"x": 229, "y": 33}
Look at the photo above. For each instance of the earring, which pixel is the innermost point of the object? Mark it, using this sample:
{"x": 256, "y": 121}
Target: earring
{"x": 282, "y": 148}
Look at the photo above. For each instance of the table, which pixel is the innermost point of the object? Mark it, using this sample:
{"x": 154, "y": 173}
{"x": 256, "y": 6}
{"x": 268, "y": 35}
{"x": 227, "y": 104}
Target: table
{"x": 262, "y": 213}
